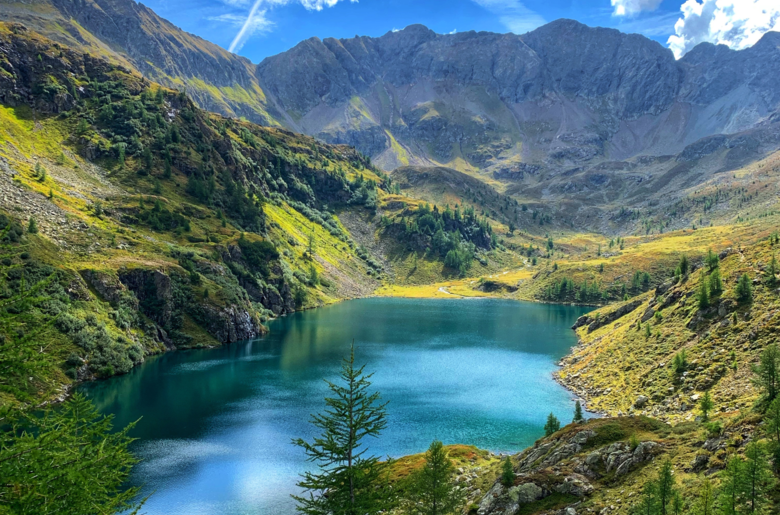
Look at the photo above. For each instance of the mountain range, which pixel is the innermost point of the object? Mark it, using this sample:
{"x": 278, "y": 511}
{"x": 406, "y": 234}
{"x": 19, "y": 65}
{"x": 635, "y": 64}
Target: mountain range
{"x": 564, "y": 93}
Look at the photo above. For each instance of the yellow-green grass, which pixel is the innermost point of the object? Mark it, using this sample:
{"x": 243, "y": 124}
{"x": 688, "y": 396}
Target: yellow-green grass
{"x": 619, "y": 362}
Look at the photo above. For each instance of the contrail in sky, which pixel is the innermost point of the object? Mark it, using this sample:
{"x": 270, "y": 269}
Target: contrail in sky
{"x": 245, "y": 27}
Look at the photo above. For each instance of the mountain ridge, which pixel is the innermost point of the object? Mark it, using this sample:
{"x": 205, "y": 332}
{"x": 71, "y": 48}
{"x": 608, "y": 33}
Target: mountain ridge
{"x": 468, "y": 100}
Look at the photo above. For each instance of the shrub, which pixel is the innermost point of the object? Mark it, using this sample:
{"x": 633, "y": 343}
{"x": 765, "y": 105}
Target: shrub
{"x": 680, "y": 362}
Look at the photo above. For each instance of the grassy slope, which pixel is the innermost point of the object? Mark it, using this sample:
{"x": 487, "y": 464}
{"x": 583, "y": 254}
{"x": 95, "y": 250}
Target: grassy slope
{"x": 76, "y": 235}
{"x": 616, "y": 363}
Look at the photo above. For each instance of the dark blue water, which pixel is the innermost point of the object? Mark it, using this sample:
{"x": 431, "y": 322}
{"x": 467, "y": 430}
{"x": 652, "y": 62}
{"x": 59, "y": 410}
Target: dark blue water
{"x": 217, "y": 424}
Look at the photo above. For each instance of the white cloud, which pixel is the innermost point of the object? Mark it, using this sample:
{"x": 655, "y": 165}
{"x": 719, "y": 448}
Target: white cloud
{"x": 513, "y": 14}
{"x": 736, "y": 23}
{"x": 631, "y": 7}
{"x": 256, "y": 21}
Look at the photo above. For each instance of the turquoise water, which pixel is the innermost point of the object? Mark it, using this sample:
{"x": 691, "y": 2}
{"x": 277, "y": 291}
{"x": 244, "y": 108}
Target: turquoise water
{"x": 216, "y": 424}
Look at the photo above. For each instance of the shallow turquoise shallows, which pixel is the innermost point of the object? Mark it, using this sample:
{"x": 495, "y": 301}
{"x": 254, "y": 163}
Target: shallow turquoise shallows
{"x": 216, "y": 424}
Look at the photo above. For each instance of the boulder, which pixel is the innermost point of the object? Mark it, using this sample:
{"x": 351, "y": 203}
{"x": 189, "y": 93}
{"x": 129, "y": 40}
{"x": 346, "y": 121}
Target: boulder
{"x": 726, "y": 306}
{"x": 576, "y": 485}
{"x": 526, "y": 493}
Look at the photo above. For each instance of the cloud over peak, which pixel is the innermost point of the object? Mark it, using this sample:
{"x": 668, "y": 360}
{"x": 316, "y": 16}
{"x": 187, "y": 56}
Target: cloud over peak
{"x": 632, "y": 7}
{"x": 513, "y": 14}
{"x": 736, "y": 23}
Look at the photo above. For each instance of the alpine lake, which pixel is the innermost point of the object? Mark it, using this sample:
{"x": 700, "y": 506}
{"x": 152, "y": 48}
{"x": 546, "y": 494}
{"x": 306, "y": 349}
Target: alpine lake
{"x": 216, "y": 425}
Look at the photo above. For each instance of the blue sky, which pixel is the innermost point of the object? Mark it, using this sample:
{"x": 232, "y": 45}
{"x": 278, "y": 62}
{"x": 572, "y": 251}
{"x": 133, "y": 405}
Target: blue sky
{"x": 277, "y": 25}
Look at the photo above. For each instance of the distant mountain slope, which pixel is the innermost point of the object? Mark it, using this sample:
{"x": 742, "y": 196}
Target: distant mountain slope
{"x": 563, "y": 94}
{"x": 130, "y": 33}
{"x": 581, "y": 119}
{"x": 445, "y": 186}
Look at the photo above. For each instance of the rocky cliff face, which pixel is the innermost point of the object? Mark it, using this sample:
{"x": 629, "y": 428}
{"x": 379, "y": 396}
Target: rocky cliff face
{"x": 570, "y": 93}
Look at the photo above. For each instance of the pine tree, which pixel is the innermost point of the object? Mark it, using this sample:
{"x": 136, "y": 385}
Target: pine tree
{"x": 758, "y": 480}
{"x": 744, "y": 290}
{"x": 67, "y": 461}
{"x": 433, "y": 490}
{"x": 704, "y": 294}
{"x": 716, "y": 284}
{"x": 552, "y": 425}
{"x": 648, "y": 502}
{"x": 771, "y": 272}
{"x": 712, "y": 260}
{"x": 706, "y": 405}
{"x": 348, "y": 482}
{"x": 678, "y": 504}
{"x": 507, "y": 473}
{"x": 683, "y": 266}
{"x": 767, "y": 373}
{"x": 772, "y": 419}
{"x": 706, "y": 500}
{"x": 731, "y": 486}
{"x": 32, "y": 226}
{"x": 665, "y": 487}
{"x": 578, "y": 412}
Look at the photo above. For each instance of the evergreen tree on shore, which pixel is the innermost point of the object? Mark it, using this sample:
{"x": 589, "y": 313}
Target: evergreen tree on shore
{"x": 552, "y": 425}
{"x": 433, "y": 490}
{"x": 348, "y": 482}
{"x": 578, "y": 412}
{"x": 67, "y": 461}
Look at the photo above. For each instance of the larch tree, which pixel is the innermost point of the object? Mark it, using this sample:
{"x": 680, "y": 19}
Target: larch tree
{"x": 349, "y": 481}
{"x": 433, "y": 490}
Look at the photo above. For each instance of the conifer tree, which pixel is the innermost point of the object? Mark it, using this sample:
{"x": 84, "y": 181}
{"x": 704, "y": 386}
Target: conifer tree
{"x": 744, "y": 290}
{"x": 648, "y": 502}
{"x": 771, "y": 272}
{"x": 757, "y": 479}
{"x": 731, "y": 486}
{"x": 507, "y": 473}
{"x": 706, "y": 500}
{"x": 433, "y": 490}
{"x": 67, "y": 461}
{"x": 767, "y": 373}
{"x": 678, "y": 504}
{"x": 552, "y": 425}
{"x": 348, "y": 482}
{"x": 704, "y": 294}
{"x": 706, "y": 405}
{"x": 665, "y": 487}
{"x": 683, "y": 266}
{"x": 578, "y": 412}
{"x": 772, "y": 419}
{"x": 712, "y": 260}
{"x": 32, "y": 226}
{"x": 716, "y": 284}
